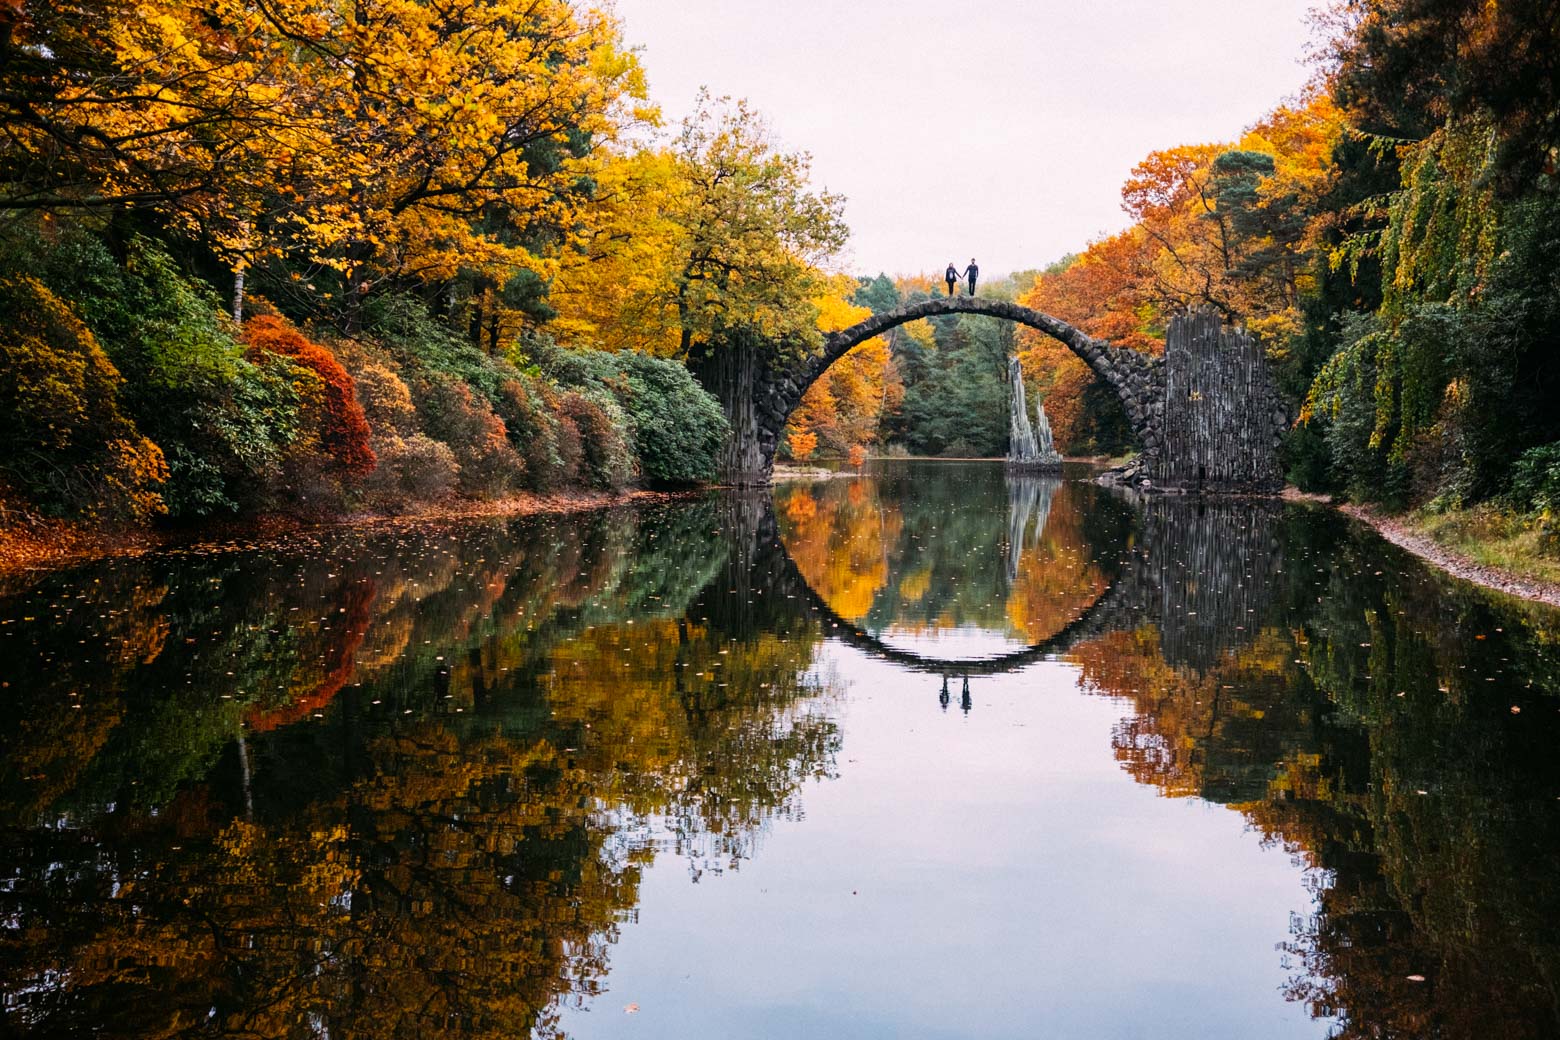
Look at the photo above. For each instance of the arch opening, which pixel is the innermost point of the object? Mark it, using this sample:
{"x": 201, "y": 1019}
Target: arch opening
{"x": 761, "y": 407}
{"x": 1207, "y": 413}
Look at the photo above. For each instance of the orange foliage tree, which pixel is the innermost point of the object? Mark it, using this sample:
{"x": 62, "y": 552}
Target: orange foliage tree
{"x": 1105, "y": 292}
{"x": 1228, "y": 226}
{"x": 803, "y": 445}
{"x": 838, "y": 537}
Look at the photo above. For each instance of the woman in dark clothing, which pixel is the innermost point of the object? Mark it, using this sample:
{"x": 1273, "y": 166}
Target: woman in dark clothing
{"x": 952, "y": 274}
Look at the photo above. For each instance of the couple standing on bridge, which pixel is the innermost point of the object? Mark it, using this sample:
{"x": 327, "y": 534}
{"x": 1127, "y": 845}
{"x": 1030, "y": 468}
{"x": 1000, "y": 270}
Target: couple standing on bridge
{"x": 953, "y": 274}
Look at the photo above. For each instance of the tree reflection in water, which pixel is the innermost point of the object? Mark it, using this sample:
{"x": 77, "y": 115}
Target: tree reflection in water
{"x": 406, "y": 783}
{"x": 1394, "y": 730}
{"x": 908, "y": 553}
{"x": 398, "y": 788}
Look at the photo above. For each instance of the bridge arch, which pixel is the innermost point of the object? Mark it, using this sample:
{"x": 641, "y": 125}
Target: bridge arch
{"x": 764, "y": 396}
{"x": 1208, "y": 412}
{"x": 1130, "y": 373}
{"x": 1101, "y": 616}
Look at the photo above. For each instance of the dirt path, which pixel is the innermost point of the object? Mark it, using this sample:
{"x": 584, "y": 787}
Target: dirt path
{"x": 1455, "y": 563}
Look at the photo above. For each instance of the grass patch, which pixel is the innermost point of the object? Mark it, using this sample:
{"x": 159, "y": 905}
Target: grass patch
{"x": 1495, "y": 538}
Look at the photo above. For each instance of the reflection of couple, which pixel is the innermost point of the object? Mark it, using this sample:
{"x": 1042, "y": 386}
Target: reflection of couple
{"x": 966, "y": 702}
{"x": 953, "y": 274}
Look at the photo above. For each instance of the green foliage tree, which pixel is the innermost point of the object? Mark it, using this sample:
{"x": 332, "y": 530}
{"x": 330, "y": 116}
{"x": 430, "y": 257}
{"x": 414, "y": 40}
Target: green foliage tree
{"x": 750, "y": 230}
{"x": 1407, "y": 66}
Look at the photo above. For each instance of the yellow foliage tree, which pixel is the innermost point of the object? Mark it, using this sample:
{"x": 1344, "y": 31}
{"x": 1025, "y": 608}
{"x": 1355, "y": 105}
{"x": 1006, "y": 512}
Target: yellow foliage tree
{"x": 844, "y": 407}
{"x": 720, "y": 231}
{"x": 362, "y": 142}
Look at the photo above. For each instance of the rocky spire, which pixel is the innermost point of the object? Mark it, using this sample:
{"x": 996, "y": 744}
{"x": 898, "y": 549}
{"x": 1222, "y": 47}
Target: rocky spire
{"x": 1029, "y": 447}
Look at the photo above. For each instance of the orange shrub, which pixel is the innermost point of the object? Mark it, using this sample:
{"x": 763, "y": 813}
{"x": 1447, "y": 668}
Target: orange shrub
{"x": 489, "y": 466}
{"x": 803, "y": 445}
{"x": 386, "y": 400}
{"x": 344, "y": 432}
{"x": 858, "y": 455}
{"x": 608, "y": 458}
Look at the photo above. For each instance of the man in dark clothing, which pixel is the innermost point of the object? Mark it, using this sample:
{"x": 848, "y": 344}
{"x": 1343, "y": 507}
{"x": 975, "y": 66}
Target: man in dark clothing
{"x": 971, "y": 272}
{"x": 952, "y": 274}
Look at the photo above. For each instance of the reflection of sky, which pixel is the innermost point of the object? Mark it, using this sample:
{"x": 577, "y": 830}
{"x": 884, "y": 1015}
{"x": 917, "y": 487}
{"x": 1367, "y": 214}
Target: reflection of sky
{"x": 965, "y": 643}
{"x": 990, "y": 875}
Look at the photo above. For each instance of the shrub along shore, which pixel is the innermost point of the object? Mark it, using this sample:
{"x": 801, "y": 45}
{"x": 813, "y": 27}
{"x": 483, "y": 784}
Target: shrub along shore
{"x": 140, "y": 412}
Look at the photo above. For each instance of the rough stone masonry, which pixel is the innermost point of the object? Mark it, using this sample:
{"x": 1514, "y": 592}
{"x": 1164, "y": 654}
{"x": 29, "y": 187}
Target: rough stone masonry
{"x": 1207, "y": 414}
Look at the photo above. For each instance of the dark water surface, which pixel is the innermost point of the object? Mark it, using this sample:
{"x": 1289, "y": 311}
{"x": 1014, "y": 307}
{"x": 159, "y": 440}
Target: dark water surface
{"x": 932, "y": 753}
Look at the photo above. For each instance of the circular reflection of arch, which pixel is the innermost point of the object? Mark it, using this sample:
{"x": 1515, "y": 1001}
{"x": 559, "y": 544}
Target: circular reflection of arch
{"x": 1092, "y": 623}
{"x": 1030, "y": 510}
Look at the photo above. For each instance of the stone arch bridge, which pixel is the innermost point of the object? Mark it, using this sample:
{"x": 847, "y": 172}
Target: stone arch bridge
{"x": 1207, "y": 414}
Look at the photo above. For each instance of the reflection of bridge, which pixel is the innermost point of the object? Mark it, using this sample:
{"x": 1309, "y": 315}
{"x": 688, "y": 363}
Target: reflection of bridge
{"x": 1197, "y": 570}
{"x": 1100, "y": 617}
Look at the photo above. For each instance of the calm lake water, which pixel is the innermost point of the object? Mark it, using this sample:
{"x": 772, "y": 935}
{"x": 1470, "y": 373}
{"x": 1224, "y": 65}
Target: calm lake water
{"x": 931, "y": 753}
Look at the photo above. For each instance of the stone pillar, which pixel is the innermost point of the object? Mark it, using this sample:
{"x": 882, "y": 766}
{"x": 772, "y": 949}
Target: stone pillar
{"x": 1221, "y": 417}
{"x": 733, "y": 372}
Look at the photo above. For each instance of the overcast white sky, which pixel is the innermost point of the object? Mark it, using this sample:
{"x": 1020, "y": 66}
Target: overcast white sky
{"x": 1000, "y": 129}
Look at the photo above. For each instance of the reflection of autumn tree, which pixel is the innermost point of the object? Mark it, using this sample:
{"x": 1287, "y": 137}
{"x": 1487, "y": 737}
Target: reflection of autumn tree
{"x": 461, "y": 747}
{"x": 1220, "y": 735}
{"x": 167, "y": 658}
{"x": 1057, "y": 575}
{"x": 456, "y": 889}
{"x": 726, "y": 729}
{"x": 919, "y": 556}
{"x": 336, "y": 664}
{"x": 59, "y": 721}
{"x": 839, "y": 534}
{"x": 1458, "y": 807}
{"x": 1374, "y": 738}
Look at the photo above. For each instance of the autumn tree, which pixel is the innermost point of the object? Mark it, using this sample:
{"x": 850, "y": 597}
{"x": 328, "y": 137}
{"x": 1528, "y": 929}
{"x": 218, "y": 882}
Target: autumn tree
{"x": 1231, "y": 224}
{"x": 118, "y": 103}
{"x": 719, "y": 231}
{"x": 751, "y": 231}
{"x": 62, "y": 431}
{"x": 1238, "y": 228}
{"x": 844, "y": 408}
{"x": 388, "y": 142}
{"x": 615, "y": 288}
